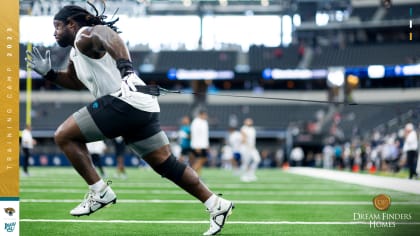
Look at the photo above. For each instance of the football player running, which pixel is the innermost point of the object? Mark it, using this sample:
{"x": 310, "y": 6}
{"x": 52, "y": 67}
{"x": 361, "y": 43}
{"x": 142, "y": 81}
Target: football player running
{"x": 100, "y": 62}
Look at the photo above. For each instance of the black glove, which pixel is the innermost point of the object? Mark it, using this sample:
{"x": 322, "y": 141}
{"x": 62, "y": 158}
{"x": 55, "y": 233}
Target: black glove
{"x": 125, "y": 66}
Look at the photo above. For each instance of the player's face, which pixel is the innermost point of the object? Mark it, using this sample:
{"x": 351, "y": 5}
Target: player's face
{"x": 62, "y": 34}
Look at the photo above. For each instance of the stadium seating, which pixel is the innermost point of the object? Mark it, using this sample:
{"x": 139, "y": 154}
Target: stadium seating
{"x": 217, "y": 60}
{"x": 47, "y": 116}
{"x": 400, "y": 12}
{"x": 261, "y": 57}
{"x": 366, "y": 54}
{"x": 140, "y": 57}
{"x": 364, "y": 13}
{"x": 364, "y": 118}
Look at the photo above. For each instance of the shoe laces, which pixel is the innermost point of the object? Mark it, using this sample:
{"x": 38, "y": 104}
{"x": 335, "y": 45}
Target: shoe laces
{"x": 88, "y": 199}
{"x": 89, "y": 196}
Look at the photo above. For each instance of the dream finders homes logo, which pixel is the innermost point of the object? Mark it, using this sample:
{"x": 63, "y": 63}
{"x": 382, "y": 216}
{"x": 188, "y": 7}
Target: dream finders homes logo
{"x": 382, "y": 220}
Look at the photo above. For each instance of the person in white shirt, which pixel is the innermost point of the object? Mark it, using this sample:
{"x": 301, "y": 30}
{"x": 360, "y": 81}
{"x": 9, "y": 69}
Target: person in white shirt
{"x": 235, "y": 142}
{"x": 296, "y": 156}
{"x": 27, "y": 145}
{"x": 200, "y": 140}
{"x": 250, "y": 157}
{"x": 328, "y": 156}
{"x": 410, "y": 148}
{"x": 97, "y": 150}
{"x": 226, "y": 156}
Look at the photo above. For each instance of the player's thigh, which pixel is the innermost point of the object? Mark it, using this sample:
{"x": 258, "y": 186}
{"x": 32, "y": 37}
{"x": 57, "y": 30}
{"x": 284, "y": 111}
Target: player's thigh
{"x": 154, "y": 150}
{"x": 82, "y": 124}
{"x": 69, "y": 130}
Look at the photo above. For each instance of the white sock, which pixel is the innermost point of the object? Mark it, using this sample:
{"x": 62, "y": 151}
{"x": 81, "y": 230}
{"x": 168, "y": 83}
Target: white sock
{"x": 98, "y": 186}
{"x": 209, "y": 203}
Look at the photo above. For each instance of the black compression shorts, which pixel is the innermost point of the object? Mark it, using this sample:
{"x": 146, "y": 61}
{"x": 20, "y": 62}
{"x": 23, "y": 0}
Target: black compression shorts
{"x": 115, "y": 117}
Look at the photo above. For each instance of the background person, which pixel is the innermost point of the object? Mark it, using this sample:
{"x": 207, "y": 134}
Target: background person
{"x": 184, "y": 135}
{"x": 250, "y": 157}
{"x": 226, "y": 156}
{"x": 120, "y": 147}
{"x": 97, "y": 150}
{"x": 235, "y": 142}
{"x": 410, "y": 149}
{"x": 27, "y": 145}
{"x": 200, "y": 140}
{"x": 296, "y": 156}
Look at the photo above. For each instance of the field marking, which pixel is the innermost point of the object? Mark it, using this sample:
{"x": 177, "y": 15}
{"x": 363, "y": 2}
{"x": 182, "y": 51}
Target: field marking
{"x": 397, "y": 184}
{"x": 222, "y": 187}
{"x": 165, "y": 184}
{"x": 206, "y": 222}
{"x": 181, "y": 192}
{"x": 249, "y": 202}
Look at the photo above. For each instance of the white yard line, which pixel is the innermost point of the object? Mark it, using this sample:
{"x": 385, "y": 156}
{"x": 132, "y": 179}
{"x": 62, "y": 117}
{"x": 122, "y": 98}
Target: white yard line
{"x": 228, "y": 192}
{"x": 250, "y": 202}
{"x": 397, "y": 184}
{"x": 206, "y": 222}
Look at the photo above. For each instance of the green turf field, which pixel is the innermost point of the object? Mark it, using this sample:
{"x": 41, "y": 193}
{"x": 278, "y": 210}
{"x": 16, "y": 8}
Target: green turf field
{"x": 279, "y": 203}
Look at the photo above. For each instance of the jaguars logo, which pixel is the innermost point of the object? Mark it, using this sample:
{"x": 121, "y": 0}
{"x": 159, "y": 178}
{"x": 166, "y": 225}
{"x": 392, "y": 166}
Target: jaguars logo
{"x": 10, "y": 211}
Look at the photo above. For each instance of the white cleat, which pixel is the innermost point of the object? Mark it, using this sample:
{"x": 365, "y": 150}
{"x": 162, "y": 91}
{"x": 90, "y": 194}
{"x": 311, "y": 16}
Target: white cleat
{"x": 248, "y": 178}
{"x": 94, "y": 201}
{"x": 218, "y": 216}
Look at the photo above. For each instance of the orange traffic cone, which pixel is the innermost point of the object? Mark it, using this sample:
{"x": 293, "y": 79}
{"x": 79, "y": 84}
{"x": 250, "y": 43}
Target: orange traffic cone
{"x": 355, "y": 168}
{"x": 372, "y": 169}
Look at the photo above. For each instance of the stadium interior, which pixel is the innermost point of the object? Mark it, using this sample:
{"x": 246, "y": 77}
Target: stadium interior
{"x": 351, "y": 67}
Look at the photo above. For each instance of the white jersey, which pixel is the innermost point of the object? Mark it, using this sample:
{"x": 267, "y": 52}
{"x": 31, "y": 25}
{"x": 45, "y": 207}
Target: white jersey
{"x": 27, "y": 140}
{"x": 250, "y": 134}
{"x": 199, "y": 134}
{"x": 411, "y": 142}
{"x": 97, "y": 147}
{"x": 235, "y": 140}
{"x": 102, "y": 77}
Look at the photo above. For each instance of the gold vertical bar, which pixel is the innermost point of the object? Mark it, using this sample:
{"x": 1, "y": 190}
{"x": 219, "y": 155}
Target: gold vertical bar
{"x": 9, "y": 99}
{"x": 411, "y": 36}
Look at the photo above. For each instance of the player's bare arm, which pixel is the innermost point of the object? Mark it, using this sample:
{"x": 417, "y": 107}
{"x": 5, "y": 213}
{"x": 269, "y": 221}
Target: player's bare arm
{"x": 97, "y": 40}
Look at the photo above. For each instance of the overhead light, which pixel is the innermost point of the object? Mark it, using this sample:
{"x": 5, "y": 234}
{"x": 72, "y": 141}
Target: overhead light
{"x": 187, "y": 3}
{"x": 265, "y": 3}
{"x": 321, "y": 18}
{"x": 376, "y": 71}
{"x": 386, "y": 3}
{"x": 296, "y": 20}
{"x": 223, "y": 3}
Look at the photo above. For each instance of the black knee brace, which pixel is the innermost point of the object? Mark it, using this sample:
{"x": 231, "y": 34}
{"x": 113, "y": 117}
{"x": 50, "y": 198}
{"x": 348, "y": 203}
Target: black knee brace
{"x": 171, "y": 169}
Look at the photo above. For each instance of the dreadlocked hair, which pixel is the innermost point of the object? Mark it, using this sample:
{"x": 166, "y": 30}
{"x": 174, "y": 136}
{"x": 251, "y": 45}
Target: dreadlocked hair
{"x": 84, "y": 17}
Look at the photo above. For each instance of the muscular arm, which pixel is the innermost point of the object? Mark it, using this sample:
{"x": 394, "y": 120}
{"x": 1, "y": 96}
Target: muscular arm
{"x": 94, "y": 43}
{"x": 97, "y": 40}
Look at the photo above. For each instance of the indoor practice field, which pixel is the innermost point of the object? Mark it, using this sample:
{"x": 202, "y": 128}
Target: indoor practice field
{"x": 316, "y": 102}
{"x": 279, "y": 203}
